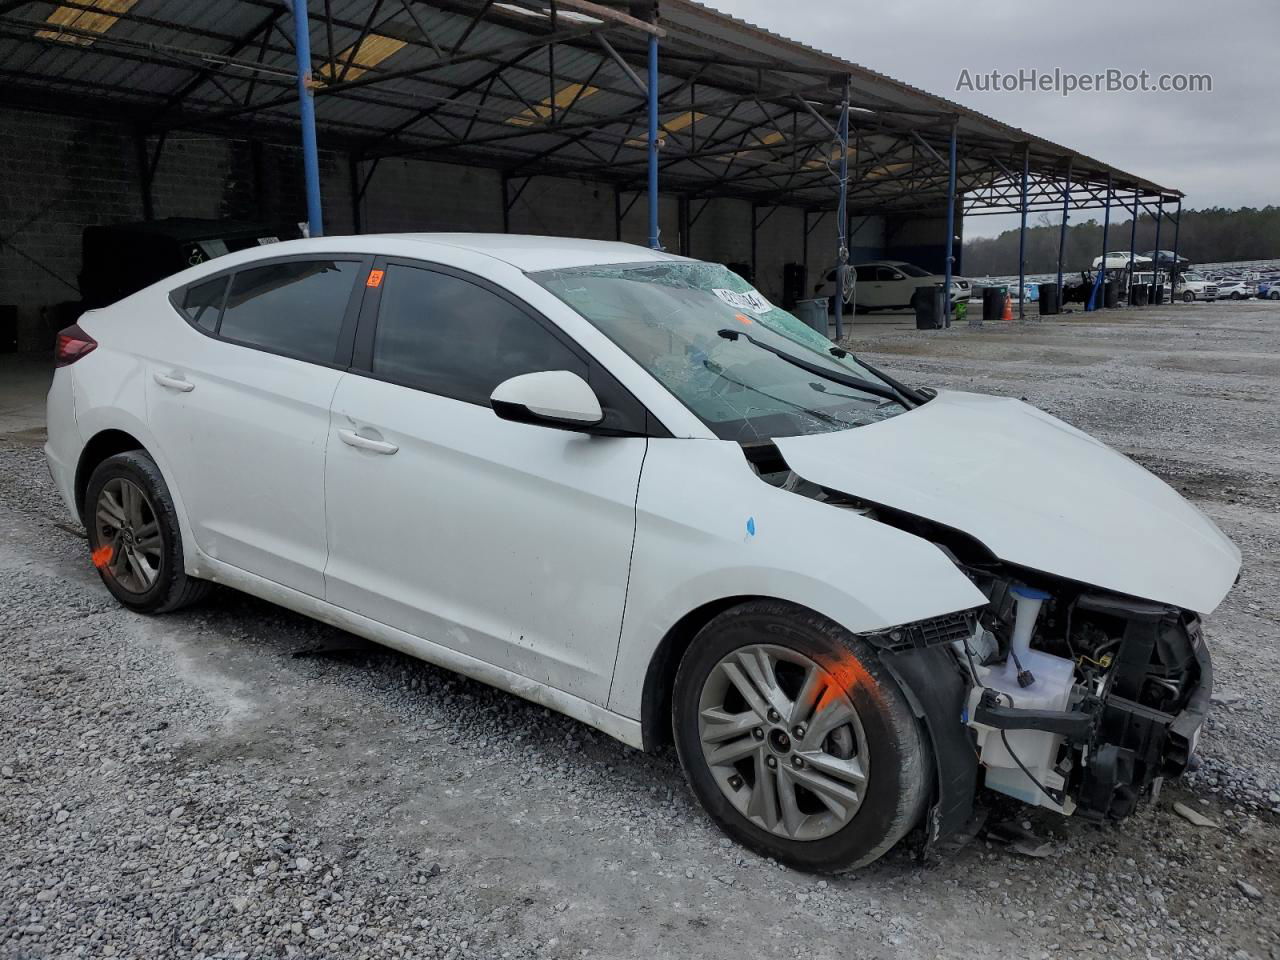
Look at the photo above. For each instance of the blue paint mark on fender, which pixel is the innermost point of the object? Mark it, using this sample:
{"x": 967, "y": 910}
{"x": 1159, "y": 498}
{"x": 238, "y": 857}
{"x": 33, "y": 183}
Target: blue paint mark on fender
{"x": 751, "y": 526}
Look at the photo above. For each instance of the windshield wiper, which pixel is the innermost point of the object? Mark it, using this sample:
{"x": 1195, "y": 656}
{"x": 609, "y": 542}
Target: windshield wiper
{"x": 844, "y": 379}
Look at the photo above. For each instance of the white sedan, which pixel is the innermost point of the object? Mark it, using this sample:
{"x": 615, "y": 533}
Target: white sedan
{"x": 624, "y": 485}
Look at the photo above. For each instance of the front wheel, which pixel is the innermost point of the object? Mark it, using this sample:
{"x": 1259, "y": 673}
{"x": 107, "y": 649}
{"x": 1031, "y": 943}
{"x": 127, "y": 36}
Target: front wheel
{"x": 1235, "y": 296}
{"x": 796, "y": 740}
{"x": 1188, "y": 297}
{"x": 134, "y": 539}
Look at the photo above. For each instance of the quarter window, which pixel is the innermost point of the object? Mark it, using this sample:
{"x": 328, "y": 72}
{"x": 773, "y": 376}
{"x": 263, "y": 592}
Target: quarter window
{"x": 295, "y": 308}
{"x": 457, "y": 339}
{"x": 202, "y": 303}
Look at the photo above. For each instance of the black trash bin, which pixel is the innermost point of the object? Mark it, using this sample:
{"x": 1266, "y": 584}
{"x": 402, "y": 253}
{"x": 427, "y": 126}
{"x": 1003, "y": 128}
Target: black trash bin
{"x": 1111, "y": 294}
{"x": 1157, "y": 293}
{"x": 992, "y": 304}
{"x": 1138, "y": 295}
{"x": 1050, "y": 299}
{"x": 928, "y": 304}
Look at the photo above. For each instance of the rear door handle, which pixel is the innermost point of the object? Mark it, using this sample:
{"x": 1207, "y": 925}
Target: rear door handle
{"x": 174, "y": 383}
{"x": 353, "y": 439}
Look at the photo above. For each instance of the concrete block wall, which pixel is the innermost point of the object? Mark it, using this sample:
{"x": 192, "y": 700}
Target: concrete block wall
{"x": 62, "y": 174}
{"x": 413, "y": 195}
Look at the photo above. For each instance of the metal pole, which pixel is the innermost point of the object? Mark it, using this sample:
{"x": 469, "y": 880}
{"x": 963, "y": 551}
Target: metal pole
{"x": 842, "y": 220}
{"x": 1177, "y": 229}
{"x": 1062, "y": 230}
{"x": 307, "y": 115}
{"x": 1106, "y": 227}
{"x": 1133, "y": 246}
{"x": 1022, "y": 235}
{"x": 654, "y": 241}
{"x": 1155, "y": 261}
{"x": 951, "y": 227}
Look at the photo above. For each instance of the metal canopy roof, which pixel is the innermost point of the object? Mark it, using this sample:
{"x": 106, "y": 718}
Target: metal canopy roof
{"x": 539, "y": 87}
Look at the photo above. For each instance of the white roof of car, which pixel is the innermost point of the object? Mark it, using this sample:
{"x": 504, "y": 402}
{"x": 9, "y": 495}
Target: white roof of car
{"x": 527, "y": 253}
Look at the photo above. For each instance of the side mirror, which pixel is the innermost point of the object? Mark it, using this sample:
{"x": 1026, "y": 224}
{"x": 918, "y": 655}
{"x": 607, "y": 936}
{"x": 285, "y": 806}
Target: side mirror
{"x": 552, "y": 398}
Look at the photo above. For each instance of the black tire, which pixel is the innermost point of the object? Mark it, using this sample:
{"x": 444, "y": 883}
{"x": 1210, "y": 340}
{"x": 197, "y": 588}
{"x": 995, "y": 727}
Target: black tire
{"x": 1235, "y": 295}
{"x": 1188, "y": 297}
{"x": 900, "y": 772}
{"x": 172, "y": 587}
{"x": 1273, "y": 295}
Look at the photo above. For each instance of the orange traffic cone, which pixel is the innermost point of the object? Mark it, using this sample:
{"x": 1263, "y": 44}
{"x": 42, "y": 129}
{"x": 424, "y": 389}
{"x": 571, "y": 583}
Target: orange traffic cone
{"x": 1007, "y": 316}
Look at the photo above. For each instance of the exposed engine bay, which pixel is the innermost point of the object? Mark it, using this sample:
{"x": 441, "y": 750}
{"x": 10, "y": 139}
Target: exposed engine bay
{"x": 1081, "y": 701}
{"x": 1069, "y": 697}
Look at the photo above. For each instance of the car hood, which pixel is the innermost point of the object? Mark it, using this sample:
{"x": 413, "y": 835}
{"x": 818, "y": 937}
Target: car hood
{"x": 1034, "y": 490}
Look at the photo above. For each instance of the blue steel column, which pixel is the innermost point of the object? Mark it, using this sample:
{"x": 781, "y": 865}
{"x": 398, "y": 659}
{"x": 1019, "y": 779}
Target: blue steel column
{"x": 842, "y": 217}
{"x": 1022, "y": 235}
{"x": 1133, "y": 246}
{"x": 1062, "y": 230}
{"x": 307, "y": 115}
{"x": 1106, "y": 227}
{"x": 1155, "y": 261}
{"x": 654, "y": 241}
{"x": 951, "y": 226}
{"x": 1177, "y": 229}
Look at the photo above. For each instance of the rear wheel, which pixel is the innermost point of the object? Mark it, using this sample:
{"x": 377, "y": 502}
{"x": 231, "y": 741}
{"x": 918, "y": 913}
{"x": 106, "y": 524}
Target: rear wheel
{"x": 1235, "y": 295}
{"x": 796, "y": 740}
{"x": 134, "y": 540}
{"x": 1188, "y": 297}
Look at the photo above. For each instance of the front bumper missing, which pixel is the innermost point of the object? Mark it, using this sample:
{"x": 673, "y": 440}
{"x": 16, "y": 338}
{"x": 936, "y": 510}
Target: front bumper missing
{"x": 1124, "y": 747}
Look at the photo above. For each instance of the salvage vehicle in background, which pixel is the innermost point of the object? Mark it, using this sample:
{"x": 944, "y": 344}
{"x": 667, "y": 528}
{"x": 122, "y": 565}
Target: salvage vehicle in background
{"x": 623, "y": 485}
{"x": 1191, "y": 287}
{"x": 1235, "y": 290}
{"x": 121, "y": 258}
{"x": 890, "y": 285}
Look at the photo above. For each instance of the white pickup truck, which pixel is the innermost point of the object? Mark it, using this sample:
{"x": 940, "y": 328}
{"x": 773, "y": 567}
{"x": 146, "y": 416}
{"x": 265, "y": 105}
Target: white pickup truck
{"x": 1190, "y": 287}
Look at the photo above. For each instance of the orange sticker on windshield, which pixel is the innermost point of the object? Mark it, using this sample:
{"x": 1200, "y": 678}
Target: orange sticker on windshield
{"x": 375, "y": 278}
{"x": 742, "y": 318}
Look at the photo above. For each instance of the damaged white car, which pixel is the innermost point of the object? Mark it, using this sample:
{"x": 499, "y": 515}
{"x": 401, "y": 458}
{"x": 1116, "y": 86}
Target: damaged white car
{"x": 625, "y": 486}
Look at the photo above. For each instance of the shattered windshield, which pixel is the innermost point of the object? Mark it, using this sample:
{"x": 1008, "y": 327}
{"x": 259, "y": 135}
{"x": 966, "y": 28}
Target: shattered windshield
{"x": 669, "y": 316}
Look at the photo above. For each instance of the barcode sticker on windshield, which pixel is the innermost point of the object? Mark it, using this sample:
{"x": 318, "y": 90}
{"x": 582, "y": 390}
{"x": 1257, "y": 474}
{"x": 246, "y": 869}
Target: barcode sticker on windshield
{"x": 752, "y": 301}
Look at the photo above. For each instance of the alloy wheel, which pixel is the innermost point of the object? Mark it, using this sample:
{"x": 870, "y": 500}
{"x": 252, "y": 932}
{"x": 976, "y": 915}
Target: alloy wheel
{"x": 783, "y": 741}
{"x": 130, "y": 548}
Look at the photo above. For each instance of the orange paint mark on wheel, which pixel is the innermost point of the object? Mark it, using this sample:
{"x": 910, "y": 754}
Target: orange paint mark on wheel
{"x": 847, "y": 673}
{"x": 102, "y": 556}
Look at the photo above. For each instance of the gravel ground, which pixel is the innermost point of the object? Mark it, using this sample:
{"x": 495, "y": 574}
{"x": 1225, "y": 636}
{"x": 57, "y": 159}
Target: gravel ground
{"x": 238, "y": 782}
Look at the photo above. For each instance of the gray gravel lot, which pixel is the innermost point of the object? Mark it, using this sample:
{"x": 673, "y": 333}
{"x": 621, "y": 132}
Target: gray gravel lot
{"x": 237, "y": 781}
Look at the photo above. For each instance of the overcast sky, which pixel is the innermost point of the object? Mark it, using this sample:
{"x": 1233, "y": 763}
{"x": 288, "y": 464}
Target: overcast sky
{"x": 1220, "y": 148}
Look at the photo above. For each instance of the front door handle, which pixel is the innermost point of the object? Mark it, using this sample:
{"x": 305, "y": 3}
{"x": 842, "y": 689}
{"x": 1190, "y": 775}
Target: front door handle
{"x": 174, "y": 383}
{"x": 353, "y": 439}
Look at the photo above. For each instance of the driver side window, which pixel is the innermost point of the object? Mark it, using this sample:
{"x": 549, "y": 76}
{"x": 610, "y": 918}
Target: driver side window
{"x": 454, "y": 338}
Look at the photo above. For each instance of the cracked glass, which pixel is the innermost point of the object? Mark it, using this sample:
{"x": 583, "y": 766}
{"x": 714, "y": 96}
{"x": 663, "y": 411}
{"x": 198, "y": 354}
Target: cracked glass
{"x": 668, "y": 317}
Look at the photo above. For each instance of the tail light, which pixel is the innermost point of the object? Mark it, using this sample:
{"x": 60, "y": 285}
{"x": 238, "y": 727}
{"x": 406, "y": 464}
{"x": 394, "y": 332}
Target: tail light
{"x": 73, "y": 343}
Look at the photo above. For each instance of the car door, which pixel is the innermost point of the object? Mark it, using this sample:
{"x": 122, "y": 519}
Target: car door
{"x": 893, "y": 287}
{"x": 508, "y": 542}
{"x": 239, "y": 400}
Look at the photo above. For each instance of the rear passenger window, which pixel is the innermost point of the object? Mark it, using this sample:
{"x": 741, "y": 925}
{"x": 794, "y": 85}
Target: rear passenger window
{"x": 455, "y": 338}
{"x": 295, "y": 308}
{"x": 203, "y": 303}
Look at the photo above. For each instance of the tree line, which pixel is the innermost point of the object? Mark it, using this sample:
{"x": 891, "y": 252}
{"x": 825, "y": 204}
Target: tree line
{"x": 1206, "y": 236}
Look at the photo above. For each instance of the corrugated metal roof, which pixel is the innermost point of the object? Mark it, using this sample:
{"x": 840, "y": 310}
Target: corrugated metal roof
{"x": 452, "y": 93}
